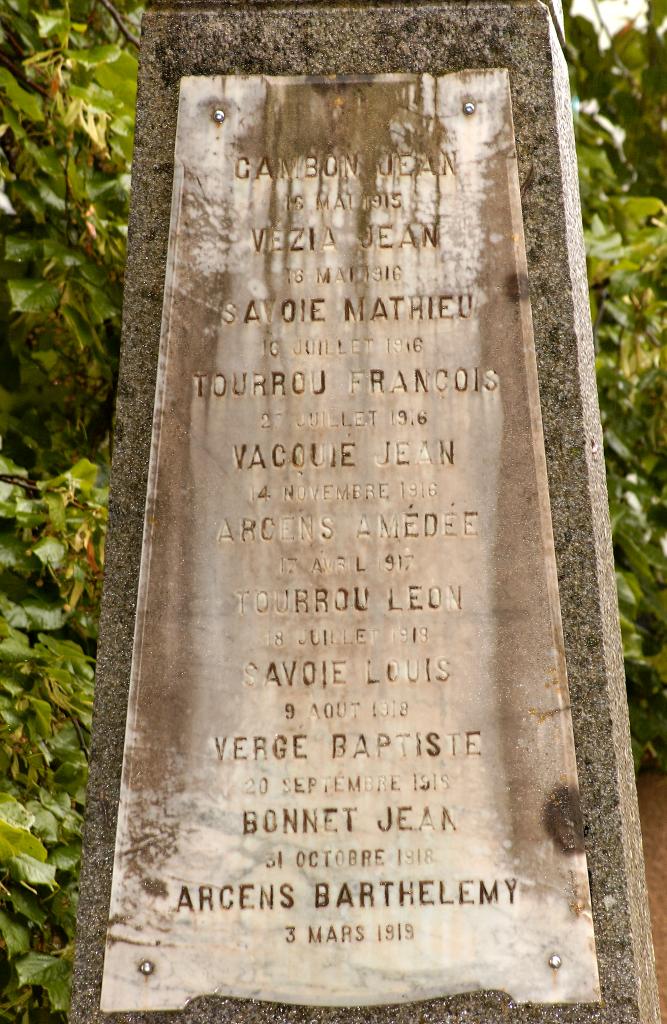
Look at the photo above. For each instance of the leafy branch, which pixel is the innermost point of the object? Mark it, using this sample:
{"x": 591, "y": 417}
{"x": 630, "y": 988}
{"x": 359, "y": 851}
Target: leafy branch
{"x": 29, "y": 486}
{"x": 8, "y": 63}
{"x": 117, "y": 17}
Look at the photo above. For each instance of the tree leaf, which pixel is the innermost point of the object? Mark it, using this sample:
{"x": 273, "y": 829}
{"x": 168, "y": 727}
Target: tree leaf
{"x": 50, "y": 551}
{"x": 14, "y": 812}
{"x": 55, "y": 23}
{"x": 45, "y": 823}
{"x": 64, "y": 858}
{"x": 52, "y": 973}
{"x": 25, "y": 868}
{"x": 92, "y": 55}
{"x": 19, "y": 249}
{"x": 15, "y": 934}
{"x": 23, "y": 100}
{"x": 13, "y": 552}
{"x": 17, "y": 842}
{"x": 44, "y": 614}
{"x": 26, "y": 903}
{"x": 33, "y": 296}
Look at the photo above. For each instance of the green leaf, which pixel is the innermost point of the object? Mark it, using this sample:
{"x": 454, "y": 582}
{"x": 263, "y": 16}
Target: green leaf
{"x": 23, "y": 100}
{"x": 65, "y": 742}
{"x": 629, "y": 590}
{"x": 58, "y": 804}
{"x": 31, "y": 296}
{"x": 19, "y": 249}
{"x": 79, "y": 326}
{"x": 102, "y": 306}
{"x": 13, "y": 684}
{"x": 82, "y": 475}
{"x": 641, "y": 207}
{"x": 64, "y": 858}
{"x": 15, "y": 934}
{"x": 13, "y": 649}
{"x": 16, "y": 842}
{"x": 95, "y": 55}
{"x": 14, "y": 812}
{"x": 659, "y": 12}
{"x": 51, "y": 196}
{"x": 56, "y": 506}
{"x": 45, "y": 824}
{"x": 41, "y": 717}
{"x": 120, "y": 78}
{"x": 26, "y": 903}
{"x": 52, "y": 973}
{"x": 54, "y": 23}
{"x": 44, "y": 614}
{"x": 13, "y": 552}
{"x": 25, "y": 868}
{"x": 62, "y": 255}
{"x": 50, "y": 551}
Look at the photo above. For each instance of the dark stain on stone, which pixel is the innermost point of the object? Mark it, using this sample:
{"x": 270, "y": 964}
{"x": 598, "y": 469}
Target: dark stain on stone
{"x": 562, "y": 820}
{"x": 528, "y": 180}
{"x": 516, "y": 287}
{"x": 155, "y": 887}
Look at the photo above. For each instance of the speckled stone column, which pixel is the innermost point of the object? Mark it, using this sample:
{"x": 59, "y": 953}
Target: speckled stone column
{"x": 204, "y": 37}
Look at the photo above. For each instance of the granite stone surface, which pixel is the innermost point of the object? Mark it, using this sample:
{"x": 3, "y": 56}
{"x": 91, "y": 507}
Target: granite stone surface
{"x": 329, "y": 38}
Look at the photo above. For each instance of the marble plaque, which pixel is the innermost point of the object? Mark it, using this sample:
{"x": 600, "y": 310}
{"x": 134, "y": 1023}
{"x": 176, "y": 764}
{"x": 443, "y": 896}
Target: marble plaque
{"x": 349, "y": 773}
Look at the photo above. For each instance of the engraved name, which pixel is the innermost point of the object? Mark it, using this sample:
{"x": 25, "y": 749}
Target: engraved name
{"x": 428, "y": 892}
{"x": 343, "y": 165}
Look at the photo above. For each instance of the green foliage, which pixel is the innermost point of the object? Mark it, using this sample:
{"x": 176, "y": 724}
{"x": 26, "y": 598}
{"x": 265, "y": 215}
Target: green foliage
{"x": 67, "y": 92}
{"x": 51, "y": 559}
{"x": 623, "y": 176}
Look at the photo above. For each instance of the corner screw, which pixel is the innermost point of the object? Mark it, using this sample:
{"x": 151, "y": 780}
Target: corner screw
{"x": 555, "y": 961}
{"x": 218, "y": 116}
{"x": 146, "y": 967}
{"x": 469, "y": 108}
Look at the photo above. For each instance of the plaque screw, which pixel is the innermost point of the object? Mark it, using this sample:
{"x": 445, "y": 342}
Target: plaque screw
{"x": 555, "y": 961}
{"x": 218, "y": 116}
{"x": 146, "y": 967}
{"x": 469, "y": 108}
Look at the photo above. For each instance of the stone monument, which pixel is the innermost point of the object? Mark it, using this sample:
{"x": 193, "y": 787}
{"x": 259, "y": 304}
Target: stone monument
{"x": 361, "y": 749}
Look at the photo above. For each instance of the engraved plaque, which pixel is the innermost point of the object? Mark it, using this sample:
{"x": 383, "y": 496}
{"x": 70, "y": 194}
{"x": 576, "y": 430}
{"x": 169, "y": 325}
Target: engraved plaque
{"x": 349, "y": 773}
